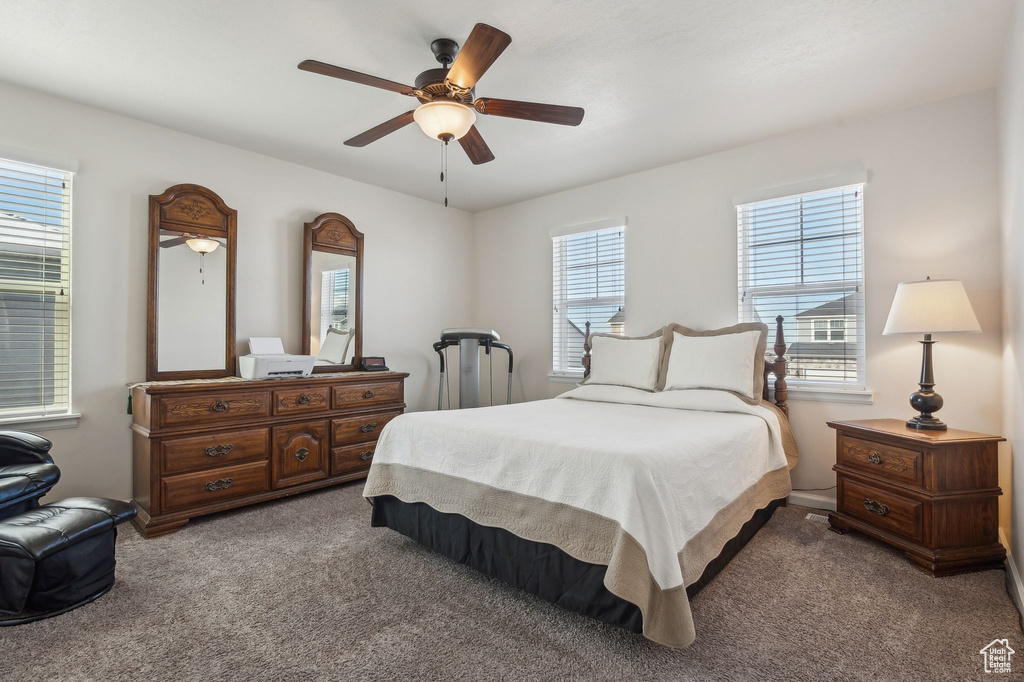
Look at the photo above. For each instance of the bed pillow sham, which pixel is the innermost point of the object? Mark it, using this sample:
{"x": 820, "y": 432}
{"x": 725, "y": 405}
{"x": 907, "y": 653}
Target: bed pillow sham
{"x": 728, "y": 359}
{"x": 634, "y": 362}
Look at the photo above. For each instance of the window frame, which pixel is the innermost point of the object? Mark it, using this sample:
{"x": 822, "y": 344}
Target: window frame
{"x": 560, "y": 369}
{"x": 59, "y": 414}
{"x": 748, "y": 293}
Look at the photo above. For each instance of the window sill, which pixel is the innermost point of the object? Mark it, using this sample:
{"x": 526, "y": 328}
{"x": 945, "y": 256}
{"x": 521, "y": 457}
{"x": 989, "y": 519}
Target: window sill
{"x": 831, "y": 395}
{"x": 564, "y": 378}
{"x": 41, "y": 422}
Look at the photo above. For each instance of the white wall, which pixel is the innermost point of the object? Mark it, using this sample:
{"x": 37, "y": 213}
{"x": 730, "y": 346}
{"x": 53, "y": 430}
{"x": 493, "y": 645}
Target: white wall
{"x": 931, "y": 209}
{"x": 1012, "y": 166}
{"x": 417, "y": 280}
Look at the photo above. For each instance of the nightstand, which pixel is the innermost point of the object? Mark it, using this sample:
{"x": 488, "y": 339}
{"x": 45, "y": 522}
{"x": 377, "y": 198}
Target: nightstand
{"x": 932, "y": 494}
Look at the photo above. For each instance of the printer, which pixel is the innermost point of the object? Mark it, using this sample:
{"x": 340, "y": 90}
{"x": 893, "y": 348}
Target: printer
{"x": 267, "y": 360}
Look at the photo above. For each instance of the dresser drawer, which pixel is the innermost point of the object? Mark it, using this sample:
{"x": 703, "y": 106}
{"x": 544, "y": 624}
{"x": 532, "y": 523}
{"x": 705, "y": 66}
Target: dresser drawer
{"x": 351, "y": 458}
{"x": 883, "y": 509}
{"x": 884, "y": 461}
{"x": 204, "y": 409}
{"x": 360, "y": 429}
{"x": 212, "y": 450}
{"x": 216, "y": 485}
{"x": 302, "y": 401}
{"x": 368, "y": 393}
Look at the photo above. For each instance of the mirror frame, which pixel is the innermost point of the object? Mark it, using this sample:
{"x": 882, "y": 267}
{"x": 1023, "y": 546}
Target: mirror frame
{"x": 193, "y": 209}
{"x": 333, "y": 233}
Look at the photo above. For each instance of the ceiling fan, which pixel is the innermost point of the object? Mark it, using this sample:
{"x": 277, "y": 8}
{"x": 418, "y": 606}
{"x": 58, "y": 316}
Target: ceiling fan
{"x": 448, "y": 105}
{"x": 197, "y": 242}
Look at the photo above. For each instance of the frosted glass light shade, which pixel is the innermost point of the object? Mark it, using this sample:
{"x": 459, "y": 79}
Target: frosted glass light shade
{"x": 931, "y": 306}
{"x": 444, "y": 117}
{"x": 202, "y": 244}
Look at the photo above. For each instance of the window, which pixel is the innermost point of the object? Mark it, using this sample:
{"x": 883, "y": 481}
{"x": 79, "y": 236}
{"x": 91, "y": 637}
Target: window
{"x": 589, "y": 286}
{"x": 35, "y": 293}
{"x": 802, "y": 257}
{"x": 333, "y": 301}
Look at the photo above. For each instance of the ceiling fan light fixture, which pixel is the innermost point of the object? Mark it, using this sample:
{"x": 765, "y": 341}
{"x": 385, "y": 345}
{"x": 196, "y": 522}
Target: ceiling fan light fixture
{"x": 444, "y": 119}
{"x": 202, "y": 245}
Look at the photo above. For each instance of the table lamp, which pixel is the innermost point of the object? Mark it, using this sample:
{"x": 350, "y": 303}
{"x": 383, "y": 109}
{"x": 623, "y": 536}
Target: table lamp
{"x": 930, "y": 306}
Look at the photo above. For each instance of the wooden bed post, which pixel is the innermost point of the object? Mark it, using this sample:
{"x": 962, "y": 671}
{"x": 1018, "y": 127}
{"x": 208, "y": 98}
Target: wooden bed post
{"x": 779, "y": 367}
{"x": 586, "y": 351}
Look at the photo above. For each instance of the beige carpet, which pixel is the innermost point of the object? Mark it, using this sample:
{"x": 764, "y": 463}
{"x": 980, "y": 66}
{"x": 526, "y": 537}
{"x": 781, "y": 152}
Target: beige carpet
{"x": 303, "y": 589}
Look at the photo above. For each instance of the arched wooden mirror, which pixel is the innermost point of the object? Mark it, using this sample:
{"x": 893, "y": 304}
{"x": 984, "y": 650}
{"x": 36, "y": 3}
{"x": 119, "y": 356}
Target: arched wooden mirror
{"x": 191, "y": 316}
{"x": 332, "y": 293}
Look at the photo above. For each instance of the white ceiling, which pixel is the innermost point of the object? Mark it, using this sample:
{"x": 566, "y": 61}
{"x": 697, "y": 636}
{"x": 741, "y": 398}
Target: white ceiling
{"x": 661, "y": 80}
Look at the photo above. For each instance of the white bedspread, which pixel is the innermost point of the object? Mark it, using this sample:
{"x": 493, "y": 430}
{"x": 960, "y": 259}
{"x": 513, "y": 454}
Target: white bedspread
{"x": 660, "y": 464}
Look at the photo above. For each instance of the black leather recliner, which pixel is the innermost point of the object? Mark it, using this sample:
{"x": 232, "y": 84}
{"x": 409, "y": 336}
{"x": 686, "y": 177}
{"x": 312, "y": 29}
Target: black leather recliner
{"x": 54, "y": 557}
{"x": 27, "y": 471}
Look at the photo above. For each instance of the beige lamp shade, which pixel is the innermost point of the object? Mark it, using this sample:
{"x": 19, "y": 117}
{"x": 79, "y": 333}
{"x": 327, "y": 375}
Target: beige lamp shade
{"x": 441, "y": 118}
{"x": 931, "y": 306}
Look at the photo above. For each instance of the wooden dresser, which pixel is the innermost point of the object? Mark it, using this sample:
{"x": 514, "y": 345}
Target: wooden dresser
{"x": 932, "y": 494}
{"x": 206, "y": 446}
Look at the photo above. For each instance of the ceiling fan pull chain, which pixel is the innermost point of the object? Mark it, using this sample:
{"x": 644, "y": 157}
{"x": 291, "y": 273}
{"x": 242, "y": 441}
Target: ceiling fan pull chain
{"x": 202, "y": 276}
{"x": 444, "y": 174}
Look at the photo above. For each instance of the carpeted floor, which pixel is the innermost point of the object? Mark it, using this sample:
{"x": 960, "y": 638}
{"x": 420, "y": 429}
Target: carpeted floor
{"x": 303, "y": 589}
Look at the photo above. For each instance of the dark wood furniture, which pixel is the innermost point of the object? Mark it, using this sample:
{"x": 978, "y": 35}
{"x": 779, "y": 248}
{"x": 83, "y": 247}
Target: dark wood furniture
{"x": 332, "y": 233}
{"x": 190, "y": 210}
{"x": 203, "y": 447}
{"x": 932, "y": 494}
{"x": 775, "y": 392}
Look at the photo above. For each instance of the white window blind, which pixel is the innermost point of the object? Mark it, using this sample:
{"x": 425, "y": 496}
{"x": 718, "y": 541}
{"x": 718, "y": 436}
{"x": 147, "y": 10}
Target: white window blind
{"x": 802, "y": 257}
{"x": 589, "y": 276}
{"x": 333, "y": 301}
{"x": 35, "y": 290}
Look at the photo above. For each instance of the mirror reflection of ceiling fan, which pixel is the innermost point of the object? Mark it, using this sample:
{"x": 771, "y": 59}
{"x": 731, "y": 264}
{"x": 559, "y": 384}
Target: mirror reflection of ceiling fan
{"x": 448, "y": 105}
{"x": 199, "y": 243}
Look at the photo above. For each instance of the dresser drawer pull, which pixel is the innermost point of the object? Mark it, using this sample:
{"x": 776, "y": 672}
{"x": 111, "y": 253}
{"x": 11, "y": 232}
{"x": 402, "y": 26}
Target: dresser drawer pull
{"x": 366, "y": 455}
{"x": 301, "y": 454}
{"x": 873, "y": 506}
{"x": 875, "y": 458}
{"x": 220, "y": 484}
{"x": 219, "y": 406}
{"x": 368, "y": 395}
{"x": 219, "y": 450}
{"x": 303, "y": 399}
{"x": 366, "y": 428}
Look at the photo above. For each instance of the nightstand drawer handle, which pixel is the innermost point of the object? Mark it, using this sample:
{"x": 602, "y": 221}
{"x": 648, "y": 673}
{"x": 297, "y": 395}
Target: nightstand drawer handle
{"x": 368, "y": 395}
{"x": 366, "y": 428}
{"x": 366, "y": 455}
{"x": 304, "y": 399}
{"x": 301, "y": 454}
{"x": 219, "y": 406}
{"x": 873, "y": 506}
{"x": 875, "y": 458}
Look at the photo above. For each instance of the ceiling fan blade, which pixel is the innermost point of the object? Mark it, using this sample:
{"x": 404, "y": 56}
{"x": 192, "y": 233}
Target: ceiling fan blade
{"x": 168, "y": 243}
{"x": 377, "y": 132}
{"x": 530, "y": 111}
{"x": 475, "y": 147}
{"x": 314, "y": 66}
{"x": 484, "y": 45}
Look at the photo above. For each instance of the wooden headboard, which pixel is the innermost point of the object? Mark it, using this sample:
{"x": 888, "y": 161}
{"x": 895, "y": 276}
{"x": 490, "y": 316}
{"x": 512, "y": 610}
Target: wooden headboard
{"x": 775, "y": 392}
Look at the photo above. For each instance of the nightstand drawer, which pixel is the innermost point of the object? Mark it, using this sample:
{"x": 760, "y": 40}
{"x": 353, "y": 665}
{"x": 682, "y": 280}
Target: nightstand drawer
{"x": 883, "y": 509}
{"x": 878, "y": 459}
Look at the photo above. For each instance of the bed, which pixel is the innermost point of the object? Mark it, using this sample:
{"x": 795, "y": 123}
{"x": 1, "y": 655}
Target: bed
{"x": 611, "y": 501}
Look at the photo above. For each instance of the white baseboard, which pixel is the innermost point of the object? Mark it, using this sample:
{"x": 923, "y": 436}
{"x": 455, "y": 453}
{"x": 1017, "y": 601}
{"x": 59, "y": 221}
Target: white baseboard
{"x": 813, "y": 500}
{"x": 1013, "y": 582}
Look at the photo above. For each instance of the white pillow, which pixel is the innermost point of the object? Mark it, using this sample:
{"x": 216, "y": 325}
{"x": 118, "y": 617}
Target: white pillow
{"x": 625, "y": 362}
{"x": 332, "y": 351}
{"x": 724, "y": 362}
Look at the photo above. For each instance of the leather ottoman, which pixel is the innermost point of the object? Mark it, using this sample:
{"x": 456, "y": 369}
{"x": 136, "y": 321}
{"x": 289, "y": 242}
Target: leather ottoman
{"x": 57, "y": 557}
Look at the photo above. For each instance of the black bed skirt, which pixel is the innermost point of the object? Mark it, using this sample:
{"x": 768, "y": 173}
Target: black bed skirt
{"x": 536, "y": 567}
